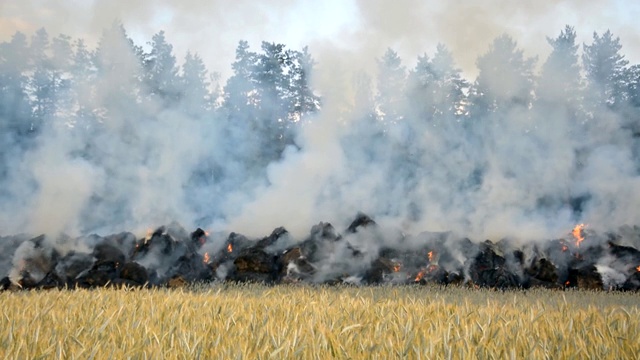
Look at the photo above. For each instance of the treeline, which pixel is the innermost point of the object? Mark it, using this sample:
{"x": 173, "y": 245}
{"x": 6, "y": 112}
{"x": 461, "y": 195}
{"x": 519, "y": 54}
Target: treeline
{"x": 407, "y": 121}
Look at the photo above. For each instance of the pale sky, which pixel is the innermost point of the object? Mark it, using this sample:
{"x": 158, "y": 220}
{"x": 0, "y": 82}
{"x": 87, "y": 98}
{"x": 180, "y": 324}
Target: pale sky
{"x": 366, "y": 27}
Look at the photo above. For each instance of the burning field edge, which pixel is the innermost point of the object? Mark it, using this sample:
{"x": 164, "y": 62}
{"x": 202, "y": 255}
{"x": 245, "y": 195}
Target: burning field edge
{"x": 363, "y": 254}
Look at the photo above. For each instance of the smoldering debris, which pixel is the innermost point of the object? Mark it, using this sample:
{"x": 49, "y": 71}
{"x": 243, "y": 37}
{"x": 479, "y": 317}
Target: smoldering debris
{"x": 363, "y": 254}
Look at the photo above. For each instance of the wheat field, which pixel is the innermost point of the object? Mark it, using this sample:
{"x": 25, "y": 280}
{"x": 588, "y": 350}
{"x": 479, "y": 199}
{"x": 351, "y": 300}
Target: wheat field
{"x": 227, "y": 321}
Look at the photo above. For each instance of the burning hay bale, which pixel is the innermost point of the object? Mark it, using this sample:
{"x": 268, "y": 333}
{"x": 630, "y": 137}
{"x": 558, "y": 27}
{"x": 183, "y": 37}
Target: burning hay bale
{"x": 488, "y": 269}
{"x": 135, "y": 273}
{"x": 363, "y": 254}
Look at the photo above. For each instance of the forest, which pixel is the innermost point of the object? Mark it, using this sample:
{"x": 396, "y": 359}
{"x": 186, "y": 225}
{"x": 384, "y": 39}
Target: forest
{"x": 124, "y": 135}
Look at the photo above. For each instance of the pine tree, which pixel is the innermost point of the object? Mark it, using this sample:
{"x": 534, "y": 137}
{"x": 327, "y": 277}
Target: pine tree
{"x": 161, "y": 72}
{"x": 605, "y": 67}
{"x": 196, "y": 99}
{"x": 505, "y": 78}
{"x": 391, "y": 83}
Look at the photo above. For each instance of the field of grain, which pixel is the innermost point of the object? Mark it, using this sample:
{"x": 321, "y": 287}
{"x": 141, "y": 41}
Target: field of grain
{"x": 258, "y": 322}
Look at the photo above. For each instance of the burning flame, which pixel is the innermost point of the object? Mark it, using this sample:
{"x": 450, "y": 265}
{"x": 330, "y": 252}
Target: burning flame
{"x": 431, "y": 256}
{"x": 149, "y": 235}
{"x": 206, "y": 258}
{"x": 577, "y": 234}
{"x": 229, "y": 248}
{"x": 423, "y": 272}
{"x": 396, "y": 267}
{"x": 638, "y": 268}
{"x": 567, "y": 283}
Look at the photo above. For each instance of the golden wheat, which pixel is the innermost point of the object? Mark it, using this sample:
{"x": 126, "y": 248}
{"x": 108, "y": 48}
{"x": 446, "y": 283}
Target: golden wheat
{"x": 260, "y": 322}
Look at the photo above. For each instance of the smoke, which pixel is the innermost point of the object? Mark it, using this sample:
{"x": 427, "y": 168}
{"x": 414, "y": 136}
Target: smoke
{"x": 506, "y": 177}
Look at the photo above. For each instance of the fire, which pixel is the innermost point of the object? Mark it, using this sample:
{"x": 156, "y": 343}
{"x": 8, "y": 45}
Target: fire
{"x": 565, "y": 248}
{"x": 229, "y": 248}
{"x": 577, "y": 234}
{"x": 430, "y": 256}
{"x": 206, "y": 258}
{"x": 638, "y": 268}
{"x": 396, "y": 267}
{"x": 149, "y": 235}
{"x": 567, "y": 283}
{"x": 423, "y": 272}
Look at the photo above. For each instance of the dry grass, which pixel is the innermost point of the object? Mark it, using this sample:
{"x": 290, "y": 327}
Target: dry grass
{"x": 253, "y": 322}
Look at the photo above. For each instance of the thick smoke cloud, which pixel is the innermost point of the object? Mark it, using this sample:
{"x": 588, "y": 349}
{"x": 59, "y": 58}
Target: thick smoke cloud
{"x": 514, "y": 174}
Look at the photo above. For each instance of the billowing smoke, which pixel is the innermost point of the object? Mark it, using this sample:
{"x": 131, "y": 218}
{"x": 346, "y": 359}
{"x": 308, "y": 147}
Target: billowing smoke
{"x": 125, "y": 135}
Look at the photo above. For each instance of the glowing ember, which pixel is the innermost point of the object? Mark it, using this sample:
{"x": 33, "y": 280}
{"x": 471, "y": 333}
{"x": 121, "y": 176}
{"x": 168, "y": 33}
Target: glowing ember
{"x": 206, "y": 258}
{"x": 565, "y": 248}
{"x": 638, "y": 268}
{"x": 229, "y": 248}
{"x": 578, "y": 234}
{"x": 567, "y": 283}
{"x": 431, "y": 256}
{"x": 419, "y": 276}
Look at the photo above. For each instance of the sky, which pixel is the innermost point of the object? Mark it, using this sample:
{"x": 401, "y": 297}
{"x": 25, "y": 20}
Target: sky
{"x": 364, "y": 28}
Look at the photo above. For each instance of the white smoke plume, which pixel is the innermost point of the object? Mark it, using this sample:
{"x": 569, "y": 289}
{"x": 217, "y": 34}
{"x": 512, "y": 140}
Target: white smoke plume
{"x": 336, "y": 169}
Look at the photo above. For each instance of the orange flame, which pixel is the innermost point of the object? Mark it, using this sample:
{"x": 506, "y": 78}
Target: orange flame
{"x": 638, "y": 268}
{"x": 229, "y": 248}
{"x": 419, "y": 276}
{"x": 397, "y": 267}
{"x": 567, "y": 283}
{"x": 577, "y": 234}
{"x": 431, "y": 256}
{"x": 206, "y": 258}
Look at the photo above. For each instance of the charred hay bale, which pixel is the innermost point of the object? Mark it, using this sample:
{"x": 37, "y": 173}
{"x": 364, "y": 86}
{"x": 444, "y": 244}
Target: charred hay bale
{"x": 432, "y": 274}
{"x": 198, "y": 237}
{"x": 270, "y": 240}
{"x": 586, "y": 277}
{"x": 255, "y": 260}
{"x": 5, "y": 283}
{"x": 380, "y": 267}
{"x": 361, "y": 221}
{"x": 624, "y": 256}
{"x": 51, "y": 281}
{"x": 94, "y": 278}
{"x": 72, "y": 264}
{"x": 105, "y": 252}
{"x": 100, "y": 274}
{"x": 587, "y": 256}
{"x": 294, "y": 266}
{"x": 543, "y": 270}
{"x": 189, "y": 266}
{"x": 290, "y": 256}
{"x": 488, "y": 269}
{"x": 177, "y": 282}
{"x": 632, "y": 283}
{"x": 134, "y": 272}
{"x": 33, "y": 260}
{"x": 125, "y": 241}
{"x": 454, "y": 278}
{"x": 324, "y": 231}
